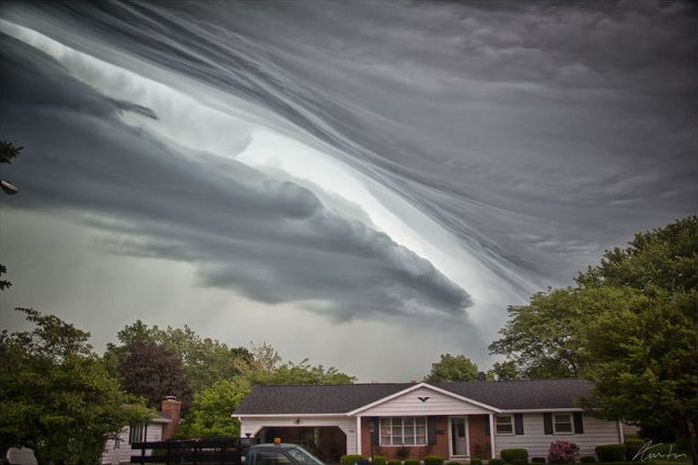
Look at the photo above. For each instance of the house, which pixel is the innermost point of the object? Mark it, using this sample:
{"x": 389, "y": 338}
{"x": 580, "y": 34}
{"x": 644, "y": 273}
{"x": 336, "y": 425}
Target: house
{"x": 118, "y": 451}
{"x": 458, "y": 421}
{"x": 160, "y": 428}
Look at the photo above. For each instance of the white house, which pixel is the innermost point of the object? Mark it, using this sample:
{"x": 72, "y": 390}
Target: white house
{"x": 458, "y": 421}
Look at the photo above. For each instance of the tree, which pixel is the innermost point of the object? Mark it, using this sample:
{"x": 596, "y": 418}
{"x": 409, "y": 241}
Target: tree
{"x": 56, "y": 397}
{"x": 504, "y": 371}
{"x": 210, "y": 416}
{"x": 153, "y": 372}
{"x": 630, "y": 325}
{"x": 452, "y": 368}
{"x": 204, "y": 361}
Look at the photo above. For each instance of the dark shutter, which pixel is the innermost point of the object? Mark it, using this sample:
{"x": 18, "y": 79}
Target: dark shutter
{"x": 487, "y": 426}
{"x": 548, "y": 423}
{"x": 578, "y": 423}
{"x": 518, "y": 423}
{"x": 374, "y": 434}
{"x": 431, "y": 431}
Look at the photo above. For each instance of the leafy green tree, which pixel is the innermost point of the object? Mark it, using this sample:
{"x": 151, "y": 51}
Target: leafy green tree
{"x": 56, "y": 397}
{"x": 504, "y": 371}
{"x": 452, "y": 368}
{"x": 204, "y": 361}
{"x": 153, "y": 372}
{"x": 210, "y": 417}
{"x": 643, "y": 350}
{"x": 630, "y": 325}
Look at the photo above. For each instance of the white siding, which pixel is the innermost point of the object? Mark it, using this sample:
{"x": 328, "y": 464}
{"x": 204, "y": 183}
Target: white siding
{"x": 534, "y": 439}
{"x": 409, "y": 404}
{"x": 346, "y": 424}
{"x": 123, "y": 453}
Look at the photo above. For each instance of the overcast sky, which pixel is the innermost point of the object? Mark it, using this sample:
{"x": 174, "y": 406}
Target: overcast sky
{"x": 367, "y": 184}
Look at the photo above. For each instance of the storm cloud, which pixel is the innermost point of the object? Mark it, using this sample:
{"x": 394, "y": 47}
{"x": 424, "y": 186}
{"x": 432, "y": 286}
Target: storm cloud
{"x": 419, "y": 164}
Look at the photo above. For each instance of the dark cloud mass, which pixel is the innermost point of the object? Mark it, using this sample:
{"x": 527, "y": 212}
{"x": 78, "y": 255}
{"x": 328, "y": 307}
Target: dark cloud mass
{"x": 421, "y": 163}
{"x": 246, "y": 229}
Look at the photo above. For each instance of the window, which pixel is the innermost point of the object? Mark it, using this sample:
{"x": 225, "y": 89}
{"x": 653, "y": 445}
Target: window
{"x": 504, "y": 424}
{"x": 562, "y": 423}
{"x": 136, "y": 433}
{"x": 303, "y": 457}
{"x": 403, "y": 431}
{"x": 270, "y": 458}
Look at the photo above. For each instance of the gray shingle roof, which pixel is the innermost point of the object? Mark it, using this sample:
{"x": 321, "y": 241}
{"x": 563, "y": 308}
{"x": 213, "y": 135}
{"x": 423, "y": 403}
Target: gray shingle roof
{"x": 343, "y": 398}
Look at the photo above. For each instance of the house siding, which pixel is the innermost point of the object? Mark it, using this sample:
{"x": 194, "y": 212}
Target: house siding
{"x": 346, "y": 424}
{"x": 409, "y": 404}
{"x": 123, "y": 453}
{"x": 534, "y": 439}
{"x": 415, "y": 452}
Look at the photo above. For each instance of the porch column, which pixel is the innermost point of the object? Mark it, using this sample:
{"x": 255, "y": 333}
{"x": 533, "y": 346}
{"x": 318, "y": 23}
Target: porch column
{"x": 492, "y": 432}
{"x": 358, "y": 435}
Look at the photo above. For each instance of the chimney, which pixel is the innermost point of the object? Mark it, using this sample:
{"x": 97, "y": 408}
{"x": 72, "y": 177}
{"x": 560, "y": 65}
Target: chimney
{"x": 481, "y": 376}
{"x": 170, "y": 409}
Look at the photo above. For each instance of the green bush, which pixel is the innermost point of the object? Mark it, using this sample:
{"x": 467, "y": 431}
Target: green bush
{"x": 632, "y": 447}
{"x": 476, "y": 462}
{"x": 433, "y": 460}
{"x": 351, "y": 459}
{"x": 496, "y": 462}
{"x": 515, "y": 456}
{"x": 394, "y": 462}
{"x": 611, "y": 453}
{"x": 379, "y": 460}
{"x": 412, "y": 462}
{"x": 588, "y": 459}
{"x": 538, "y": 460}
{"x": 453, "y": 463}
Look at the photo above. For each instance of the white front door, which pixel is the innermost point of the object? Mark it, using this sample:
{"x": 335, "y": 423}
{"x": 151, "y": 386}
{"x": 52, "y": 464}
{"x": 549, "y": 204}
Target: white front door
{"x": 459, "y": 436}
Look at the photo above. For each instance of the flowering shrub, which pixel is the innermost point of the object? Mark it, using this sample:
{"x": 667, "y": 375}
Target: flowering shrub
{"x": 562, "y": 452}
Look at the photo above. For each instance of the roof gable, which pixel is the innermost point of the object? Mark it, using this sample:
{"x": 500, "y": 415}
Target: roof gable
{"x": 423, "y": 399}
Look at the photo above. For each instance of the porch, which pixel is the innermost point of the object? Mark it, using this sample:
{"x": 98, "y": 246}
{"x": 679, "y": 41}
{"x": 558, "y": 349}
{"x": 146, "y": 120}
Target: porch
{"x": 453, "y": 437}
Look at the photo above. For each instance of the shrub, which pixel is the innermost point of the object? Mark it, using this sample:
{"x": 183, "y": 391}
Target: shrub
{"x": 412, "y": 462}
{"x": 394, "y": 462}
{"x": 611, "y": 453}
{"x": 538, "y": 460}
{"x": 433, "y": 460}
{"x": 351, "y": 459}
{"x": 588, "y": 459}
{"x": 515, "y": 456}
{"x": 454, "y": 463}
{"x": 496, "y": 462}
{"x": 379, "y": 460}
{"x": 476, "y": 462}
{"x": 632, "y": 447}
{"x": 562, "y": 452}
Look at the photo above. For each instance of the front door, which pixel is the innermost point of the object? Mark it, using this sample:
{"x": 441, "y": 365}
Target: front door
{"x": 459, "y": 439}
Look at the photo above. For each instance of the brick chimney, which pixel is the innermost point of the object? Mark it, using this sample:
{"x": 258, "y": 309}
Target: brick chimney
{"x": 170, "y": 409}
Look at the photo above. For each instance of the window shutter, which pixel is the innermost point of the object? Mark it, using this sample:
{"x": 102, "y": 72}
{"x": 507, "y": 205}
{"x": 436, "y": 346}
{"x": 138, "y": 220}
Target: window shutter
{"x": 578, "y": 423}
{"x": 518, "y": 423}
{"x": 487, "y": 426}
{"x": 376, "y": 431}
{"x": 548, "y": 423}
{"x": 431, "y": 431}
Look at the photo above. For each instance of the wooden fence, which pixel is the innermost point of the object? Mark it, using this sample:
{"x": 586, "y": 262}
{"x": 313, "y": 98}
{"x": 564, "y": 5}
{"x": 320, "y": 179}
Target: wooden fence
{"x": 193, "y": 452}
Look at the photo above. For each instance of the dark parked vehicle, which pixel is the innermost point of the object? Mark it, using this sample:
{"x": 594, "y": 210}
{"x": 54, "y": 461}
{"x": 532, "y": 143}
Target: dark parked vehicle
{"x": 282, "y": 454}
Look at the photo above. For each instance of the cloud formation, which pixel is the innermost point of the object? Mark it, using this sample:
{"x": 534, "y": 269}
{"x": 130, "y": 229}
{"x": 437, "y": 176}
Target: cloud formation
{"x": 420, "y": 163}
{"x": 273, "y": 241}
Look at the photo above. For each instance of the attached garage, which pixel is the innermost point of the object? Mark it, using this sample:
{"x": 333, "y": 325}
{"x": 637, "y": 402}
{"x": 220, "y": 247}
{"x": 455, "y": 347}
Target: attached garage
{"x": 328, "y": 443}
